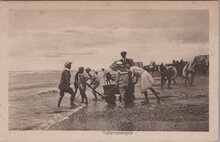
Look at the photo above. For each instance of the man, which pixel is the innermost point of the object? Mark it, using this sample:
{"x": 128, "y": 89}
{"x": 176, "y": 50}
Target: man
{"x": 94, "y": 81}
{"x": 125, "y": 60}
{"x": 64, "y": 85}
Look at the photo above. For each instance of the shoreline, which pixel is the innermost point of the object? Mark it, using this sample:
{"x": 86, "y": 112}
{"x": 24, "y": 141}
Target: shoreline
{"x": 62, "y": 119}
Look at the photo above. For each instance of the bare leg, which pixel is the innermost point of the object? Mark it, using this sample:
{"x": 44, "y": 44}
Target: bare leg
{"x": 146, "y": 98}
{"x": 76, "y": 88}
{"x": 94, "y": 86}
{"x": 155, "y": 93}
{"x": 122, "y": 90}
{"x": 192, "y": 78}
{"x": 174, "y": 81}
{"x": 81, "y": 94}
{"x": 161, "y": 81}
{"x": 169, "y": 82}
{"x": 72, "y": 98}
{"x": 60, "y": 99}
{"x": 86, "y": 98}
{"x": 185, "y": 81}
{"x": 122, "y": 99}
{"x": 82, "y": 97}
{"x": 94, "y": 93}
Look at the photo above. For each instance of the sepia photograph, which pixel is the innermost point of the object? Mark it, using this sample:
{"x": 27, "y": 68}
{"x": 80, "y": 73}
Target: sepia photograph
{"x": 117, "y": 71}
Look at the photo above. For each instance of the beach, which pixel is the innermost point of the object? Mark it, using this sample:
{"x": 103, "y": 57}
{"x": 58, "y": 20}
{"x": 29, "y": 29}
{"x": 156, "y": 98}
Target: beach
{"x": 33, "y": 96}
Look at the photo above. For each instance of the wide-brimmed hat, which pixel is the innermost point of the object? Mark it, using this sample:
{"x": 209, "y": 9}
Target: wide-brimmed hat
{"x": 68, "y": 63}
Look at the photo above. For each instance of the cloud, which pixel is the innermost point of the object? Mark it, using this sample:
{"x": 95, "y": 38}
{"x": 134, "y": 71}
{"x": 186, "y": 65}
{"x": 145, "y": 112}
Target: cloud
{"x": 96, "y": 37}
{"x": 31, "y": 19}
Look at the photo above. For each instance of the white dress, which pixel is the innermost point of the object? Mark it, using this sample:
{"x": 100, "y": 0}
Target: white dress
{"x": 146, "y": 80}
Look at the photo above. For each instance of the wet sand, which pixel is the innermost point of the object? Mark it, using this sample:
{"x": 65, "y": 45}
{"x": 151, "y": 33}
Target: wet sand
{"x": 181, "y": 109}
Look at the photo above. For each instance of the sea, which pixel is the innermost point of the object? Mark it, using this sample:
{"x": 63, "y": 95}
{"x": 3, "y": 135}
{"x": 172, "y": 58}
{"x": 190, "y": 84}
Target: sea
{"x": 33, "y": 98}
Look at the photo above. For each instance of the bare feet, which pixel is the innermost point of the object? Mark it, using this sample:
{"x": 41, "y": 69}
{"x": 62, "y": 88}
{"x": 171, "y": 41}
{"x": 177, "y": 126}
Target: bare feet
{"x": 145, "y": 102}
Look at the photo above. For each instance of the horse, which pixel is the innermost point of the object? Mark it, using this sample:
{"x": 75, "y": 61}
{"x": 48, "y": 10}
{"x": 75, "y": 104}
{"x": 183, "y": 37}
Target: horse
{"x": 189, "y": 72}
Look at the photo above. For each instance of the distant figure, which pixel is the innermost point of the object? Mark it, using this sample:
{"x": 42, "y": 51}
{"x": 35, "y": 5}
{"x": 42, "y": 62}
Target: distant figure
{"x": 146, "y": 81}
{"x": 162, "y": 68}
{"x": 152, "y": 67}
{"x": 64, "y": 85}
{"x": 107, "y": 76}
{"x": 125, "y": 60}
{"x": 204, "y": 67}
{"x": 96, "y": 72}
{"x": 169, "y": 74}
{"x": 182, "y": 64}
{"x": 82, "y": 78}
{"x": 94, "y": 81}
{"x": 189, "y": 72}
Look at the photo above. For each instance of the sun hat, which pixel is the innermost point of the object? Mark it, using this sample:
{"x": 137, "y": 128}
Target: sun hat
{"x": 68, "y": 63}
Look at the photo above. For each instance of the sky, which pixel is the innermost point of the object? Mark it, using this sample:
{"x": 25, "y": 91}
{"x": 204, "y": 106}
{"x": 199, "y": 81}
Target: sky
{"x": 46, "y": 39}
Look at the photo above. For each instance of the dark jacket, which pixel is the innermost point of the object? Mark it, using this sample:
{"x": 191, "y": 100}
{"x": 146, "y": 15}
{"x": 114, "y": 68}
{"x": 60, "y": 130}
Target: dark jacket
{"x": 65, "y": 80}
{"x": 127, "y": 61}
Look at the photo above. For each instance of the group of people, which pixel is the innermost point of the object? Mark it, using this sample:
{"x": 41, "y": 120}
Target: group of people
{"x": 81, "y": 78}
{"x": 127, "y": 76}
{"x": 179, "y": 65}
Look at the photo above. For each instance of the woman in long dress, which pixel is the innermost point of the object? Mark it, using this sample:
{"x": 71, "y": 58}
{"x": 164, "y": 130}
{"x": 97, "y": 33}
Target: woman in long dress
{"x": 146, "y": 82}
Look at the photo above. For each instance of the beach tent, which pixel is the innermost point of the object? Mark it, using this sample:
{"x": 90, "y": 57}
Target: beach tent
{"x": 200, "y": 58}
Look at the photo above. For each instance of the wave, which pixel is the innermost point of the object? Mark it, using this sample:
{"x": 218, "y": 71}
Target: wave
{"x": 48, "y": 91}
{"x": 13, "y": 73}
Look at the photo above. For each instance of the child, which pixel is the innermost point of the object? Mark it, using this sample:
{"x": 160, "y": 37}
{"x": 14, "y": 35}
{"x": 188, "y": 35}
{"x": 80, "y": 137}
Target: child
{"x": 82, "y": 84}
{"x": 94, "y": 80}
{"x": 122, "y": 80}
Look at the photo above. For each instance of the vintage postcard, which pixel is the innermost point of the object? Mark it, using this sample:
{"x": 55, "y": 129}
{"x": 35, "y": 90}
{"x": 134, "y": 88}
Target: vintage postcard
{"x": 113, "y": 71}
